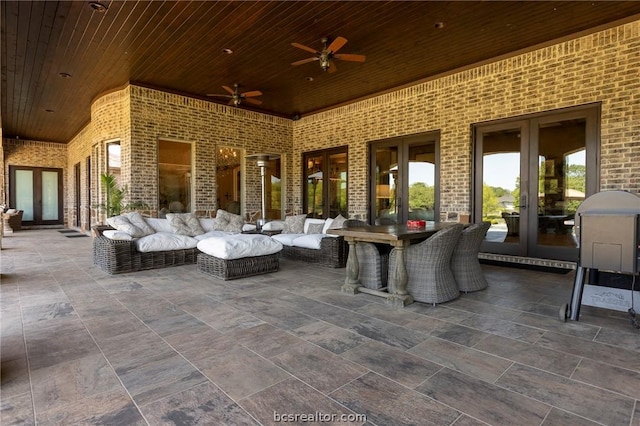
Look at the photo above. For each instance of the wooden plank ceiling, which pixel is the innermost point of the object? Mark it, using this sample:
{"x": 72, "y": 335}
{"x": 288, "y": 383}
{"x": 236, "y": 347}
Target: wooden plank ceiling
{"x": 58, "y": 56}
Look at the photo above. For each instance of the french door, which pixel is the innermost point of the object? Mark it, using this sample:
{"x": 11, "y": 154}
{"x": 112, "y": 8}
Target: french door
{"x": 38, "y": 193}
{"x": 530, "y": 177}
{"x": 404, "y": 179}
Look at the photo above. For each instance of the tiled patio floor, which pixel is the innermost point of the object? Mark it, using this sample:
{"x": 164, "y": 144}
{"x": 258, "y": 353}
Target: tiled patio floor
{"x": 174, "y": 346}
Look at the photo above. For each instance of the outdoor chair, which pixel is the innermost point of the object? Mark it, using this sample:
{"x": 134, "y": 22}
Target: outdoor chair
{"x": 464, "y": 262}
{"x": 428, "y": 266}
{"x": 373, "y": 260}
{"x": 12, "y": 220}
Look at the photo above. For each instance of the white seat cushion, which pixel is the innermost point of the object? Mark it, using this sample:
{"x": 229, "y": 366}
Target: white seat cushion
{"x": 161, "y": 241}
{"x": 211, "y": 234}
{"x": 310, "y": 241}
{"x": 114, "y": 234}
{"x": 286, "y": 239}
{"x": 238, "y": 246}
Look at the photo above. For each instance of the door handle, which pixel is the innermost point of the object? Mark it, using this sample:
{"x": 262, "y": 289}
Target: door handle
{"x": 523, "y": 201}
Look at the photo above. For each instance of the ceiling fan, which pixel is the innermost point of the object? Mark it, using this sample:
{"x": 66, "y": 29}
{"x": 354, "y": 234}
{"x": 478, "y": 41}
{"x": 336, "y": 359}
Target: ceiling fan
{"x": 328, "y": 53}
{"x": 236, "y": 98}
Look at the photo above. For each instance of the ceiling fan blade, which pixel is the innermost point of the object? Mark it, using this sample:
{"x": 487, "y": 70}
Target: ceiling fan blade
{"x": 217, "y": 94}
{"x": 231, "y": 102}
{"x": 350, "y": 57}
{"x": 337, "y": 44}
{"x": 332, "y": 68}
{"x": 253, "y": 101}
{"x": 252, "y": 93}
{"x": 304, "y": 61}
{"x": 228, "y": 89}
{"x": 303, "y": 47}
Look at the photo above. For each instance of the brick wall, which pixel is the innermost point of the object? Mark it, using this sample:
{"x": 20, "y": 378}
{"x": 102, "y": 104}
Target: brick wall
{"x": 19, "y": 152}
{"x": 603, "y": 67}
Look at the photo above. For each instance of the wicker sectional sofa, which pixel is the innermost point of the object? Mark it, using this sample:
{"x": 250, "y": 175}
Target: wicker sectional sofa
{"x": 315, "y": 246}
{"x": 116, "y": 254}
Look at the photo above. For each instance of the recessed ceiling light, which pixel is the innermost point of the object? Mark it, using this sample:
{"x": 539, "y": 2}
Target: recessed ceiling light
{"x": 309, "y": 78}
{"x": 48, "y": 110}
{"x": 438, "y": 25}
{"x": 65, "y": 75}
{"x": 227, "y": 51}
{"x": 98, "y": 7}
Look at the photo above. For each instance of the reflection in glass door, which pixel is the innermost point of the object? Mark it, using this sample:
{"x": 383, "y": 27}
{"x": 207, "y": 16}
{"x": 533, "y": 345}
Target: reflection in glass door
{"x": 531, "y": 176}
{"x": 405, "y": 179}
{"x": 325, "y": 177}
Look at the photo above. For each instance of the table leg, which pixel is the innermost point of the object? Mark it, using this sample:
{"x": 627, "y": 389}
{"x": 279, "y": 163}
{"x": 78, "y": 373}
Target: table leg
{"x": 400, "y": 297}
{"x": 351, "y": 282}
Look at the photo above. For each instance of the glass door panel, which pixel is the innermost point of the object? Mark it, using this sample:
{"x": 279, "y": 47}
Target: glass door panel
{"x": 385, "y": 188}
{"x": 422, "y": 178}
{"x": 24, "y": 194}
{"x": 315, "y": 187}
{"x": 560, "y": 183}
{"x": 499, "y": 203}
{"x": 338, "y": 184}
{"x": 50, "y": 200}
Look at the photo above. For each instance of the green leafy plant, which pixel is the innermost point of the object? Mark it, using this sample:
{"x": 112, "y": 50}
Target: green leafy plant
{"x": 115, "y": 197}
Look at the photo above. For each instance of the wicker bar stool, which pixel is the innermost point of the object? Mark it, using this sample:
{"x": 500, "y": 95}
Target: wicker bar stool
{"x": 464, "y": 262}
{"x": 428, "y": 266}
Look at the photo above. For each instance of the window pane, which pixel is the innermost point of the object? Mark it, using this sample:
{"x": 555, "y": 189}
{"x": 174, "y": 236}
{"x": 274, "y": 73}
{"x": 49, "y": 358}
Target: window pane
{"x": 422, "y": 177}
{"x": 174, "y": 177}
{"x": 338, "y": 184}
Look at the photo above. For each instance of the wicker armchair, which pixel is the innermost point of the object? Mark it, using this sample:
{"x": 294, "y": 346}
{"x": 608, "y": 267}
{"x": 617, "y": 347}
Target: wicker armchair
{"x": 464, "y": 262}
{"x": 13, "y": 221}
{"x": 428, "y": 266}
{"x": 373, "y": 260}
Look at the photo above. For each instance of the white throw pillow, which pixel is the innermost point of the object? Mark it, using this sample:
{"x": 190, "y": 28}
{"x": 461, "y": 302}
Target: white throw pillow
{"x": 185, "y": 224}
{"x": 294, "y": 224}
{"x": 313, "y": 221}
{"x": 310, "y": 241}
{"x": 229, "y": 222}
{"x": 132, "y": 223}
{"x": 327, "y": 225}
{"x": 338, "y": 222}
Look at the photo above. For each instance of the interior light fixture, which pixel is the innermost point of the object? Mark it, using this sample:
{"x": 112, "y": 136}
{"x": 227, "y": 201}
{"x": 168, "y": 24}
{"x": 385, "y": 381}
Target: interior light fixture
{"x": 49, "y": 111}
{"x": 227, "y": 51}
{"x": 98, "y": 7}
{"x": 309, "y": 78}
{"x": 64, "y": 75}
{"x": 438, "y": 25}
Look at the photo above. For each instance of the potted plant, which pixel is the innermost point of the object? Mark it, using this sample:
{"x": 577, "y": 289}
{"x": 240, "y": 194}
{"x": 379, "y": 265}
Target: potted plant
{"x": 115, "y": 197}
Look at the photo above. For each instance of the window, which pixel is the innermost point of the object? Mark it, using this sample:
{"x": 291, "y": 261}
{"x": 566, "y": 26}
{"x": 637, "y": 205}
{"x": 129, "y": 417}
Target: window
{"x": 174, "y": 177}
{"x": 325, "y": 183}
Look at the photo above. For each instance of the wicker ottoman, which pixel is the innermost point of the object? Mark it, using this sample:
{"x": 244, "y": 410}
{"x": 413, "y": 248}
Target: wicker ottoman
{"x": 238, "y": 256}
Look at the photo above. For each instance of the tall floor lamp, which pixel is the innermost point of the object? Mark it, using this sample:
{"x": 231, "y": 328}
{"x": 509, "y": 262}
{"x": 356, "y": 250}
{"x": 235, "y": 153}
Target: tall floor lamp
{"x": 262, "y": 160}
